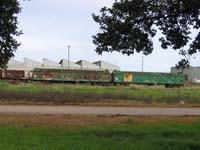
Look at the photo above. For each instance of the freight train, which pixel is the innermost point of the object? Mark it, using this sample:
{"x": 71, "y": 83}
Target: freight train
{"x": 102, "y": 77}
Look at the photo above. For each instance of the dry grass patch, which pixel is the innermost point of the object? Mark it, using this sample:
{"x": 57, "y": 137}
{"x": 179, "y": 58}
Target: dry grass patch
{"x": 86, "y": 121}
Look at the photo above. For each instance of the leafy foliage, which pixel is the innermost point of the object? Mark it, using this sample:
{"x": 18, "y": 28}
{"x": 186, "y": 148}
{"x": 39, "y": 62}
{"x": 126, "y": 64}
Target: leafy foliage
{"x": 182, "y": 64}
{"x": 129, "y": 26}
{"x": 8, "y": 30}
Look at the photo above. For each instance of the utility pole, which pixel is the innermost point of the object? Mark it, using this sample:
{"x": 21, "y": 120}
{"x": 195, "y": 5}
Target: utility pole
{"x": 68, "y": 55}
{"x": 142, "y": 63}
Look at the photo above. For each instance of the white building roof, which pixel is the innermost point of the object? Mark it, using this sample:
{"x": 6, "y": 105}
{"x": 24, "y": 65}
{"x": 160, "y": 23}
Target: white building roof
{"x": 87, "y": 65}
{"x": 32, "y": 64}
{"x": 106, "y": 66}
{"x": 16, "y": 65}
{"x": 12, "y": 63}
{"x": 50, "y": 64}
{"x": 29, "y": 64}
{"x": 64, "y": 64}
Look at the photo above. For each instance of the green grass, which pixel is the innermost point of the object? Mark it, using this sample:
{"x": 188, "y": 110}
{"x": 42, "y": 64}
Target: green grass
{"x": 167, "y": 136}
{"x": 105, "y": 93}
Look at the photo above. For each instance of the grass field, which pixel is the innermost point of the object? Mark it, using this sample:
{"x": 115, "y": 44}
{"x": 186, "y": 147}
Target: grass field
{"x": 130, "y": 134}
{"x": 97, "y": 132}
{"x": 63, "y": 93}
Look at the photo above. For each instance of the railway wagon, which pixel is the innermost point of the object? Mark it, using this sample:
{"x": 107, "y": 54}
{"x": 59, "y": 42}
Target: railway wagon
{"x": 65, "y": 75}
{"x": 167, "y": 79}
{"x": 12, "y": 74}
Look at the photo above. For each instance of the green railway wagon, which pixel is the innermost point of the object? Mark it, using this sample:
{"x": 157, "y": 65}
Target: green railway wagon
{"x": 65, "y": 75}
{"x": 167, "y": 79}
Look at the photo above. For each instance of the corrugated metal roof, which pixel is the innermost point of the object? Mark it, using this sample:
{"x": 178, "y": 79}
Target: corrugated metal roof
{"x": 13, "y": 63}
{"x": 106, "y": 66}
{"x": 50, "y": 64}
{"x": 16, "y": 65}
{"x": 31, "y": 63}
{"x": 72, "y": 65}
{"x": 87, "y": 65}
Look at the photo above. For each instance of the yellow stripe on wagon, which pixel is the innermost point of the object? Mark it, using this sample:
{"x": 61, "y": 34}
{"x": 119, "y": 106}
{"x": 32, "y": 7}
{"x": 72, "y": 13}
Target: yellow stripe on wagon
{"x": 128, "y": 77}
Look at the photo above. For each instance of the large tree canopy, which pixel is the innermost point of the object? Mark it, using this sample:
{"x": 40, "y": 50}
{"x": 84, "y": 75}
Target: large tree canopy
{"x": 129, "y": 26}
{"x": 8, "y": 30}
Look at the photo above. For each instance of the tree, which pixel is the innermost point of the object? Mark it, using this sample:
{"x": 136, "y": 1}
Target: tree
{"x": 8, "y": 30}
{"x": 182, "y": 65}
{"x": 129, "y": 26}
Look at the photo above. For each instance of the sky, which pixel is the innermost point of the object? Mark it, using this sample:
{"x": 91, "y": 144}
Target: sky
{"x": 50, "y": 26}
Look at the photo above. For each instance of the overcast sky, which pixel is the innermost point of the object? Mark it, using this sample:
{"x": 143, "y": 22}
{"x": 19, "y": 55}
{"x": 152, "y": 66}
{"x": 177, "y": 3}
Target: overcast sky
{"x": 50, "y": 26}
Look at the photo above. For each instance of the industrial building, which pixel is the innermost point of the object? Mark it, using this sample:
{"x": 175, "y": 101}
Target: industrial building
{"x": 29, "y": 65}
{"x": 68, "y": 64}
{"x": 192, "y": 74}
{"x": 32, "y": 64}
{"x": 51, "y": 64}
{"x": 87, "y": 65}
{"x": 15, "y": 65}
{"x": 106, "y": 66}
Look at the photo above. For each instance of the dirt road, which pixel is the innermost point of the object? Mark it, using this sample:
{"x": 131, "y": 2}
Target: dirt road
{"x": 92, "y": 110}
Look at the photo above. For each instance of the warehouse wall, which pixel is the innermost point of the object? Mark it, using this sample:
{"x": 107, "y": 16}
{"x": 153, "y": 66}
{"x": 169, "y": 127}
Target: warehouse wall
{"x": 192, "y": 73}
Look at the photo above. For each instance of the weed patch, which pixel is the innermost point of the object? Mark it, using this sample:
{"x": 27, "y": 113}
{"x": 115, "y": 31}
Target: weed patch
{"x": 61, "y": 93}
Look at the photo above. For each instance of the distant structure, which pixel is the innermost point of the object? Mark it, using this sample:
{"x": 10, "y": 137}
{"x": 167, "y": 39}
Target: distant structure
{"x": 29, "y": 64}
{"x": 15, "y": 65}
{"x": 105, "y": 65}
{"x": 51, "y": 64}
{"x": 192, "y": 74}
{"x": 64, "y": 64}
{"x": 85, "y": 65}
